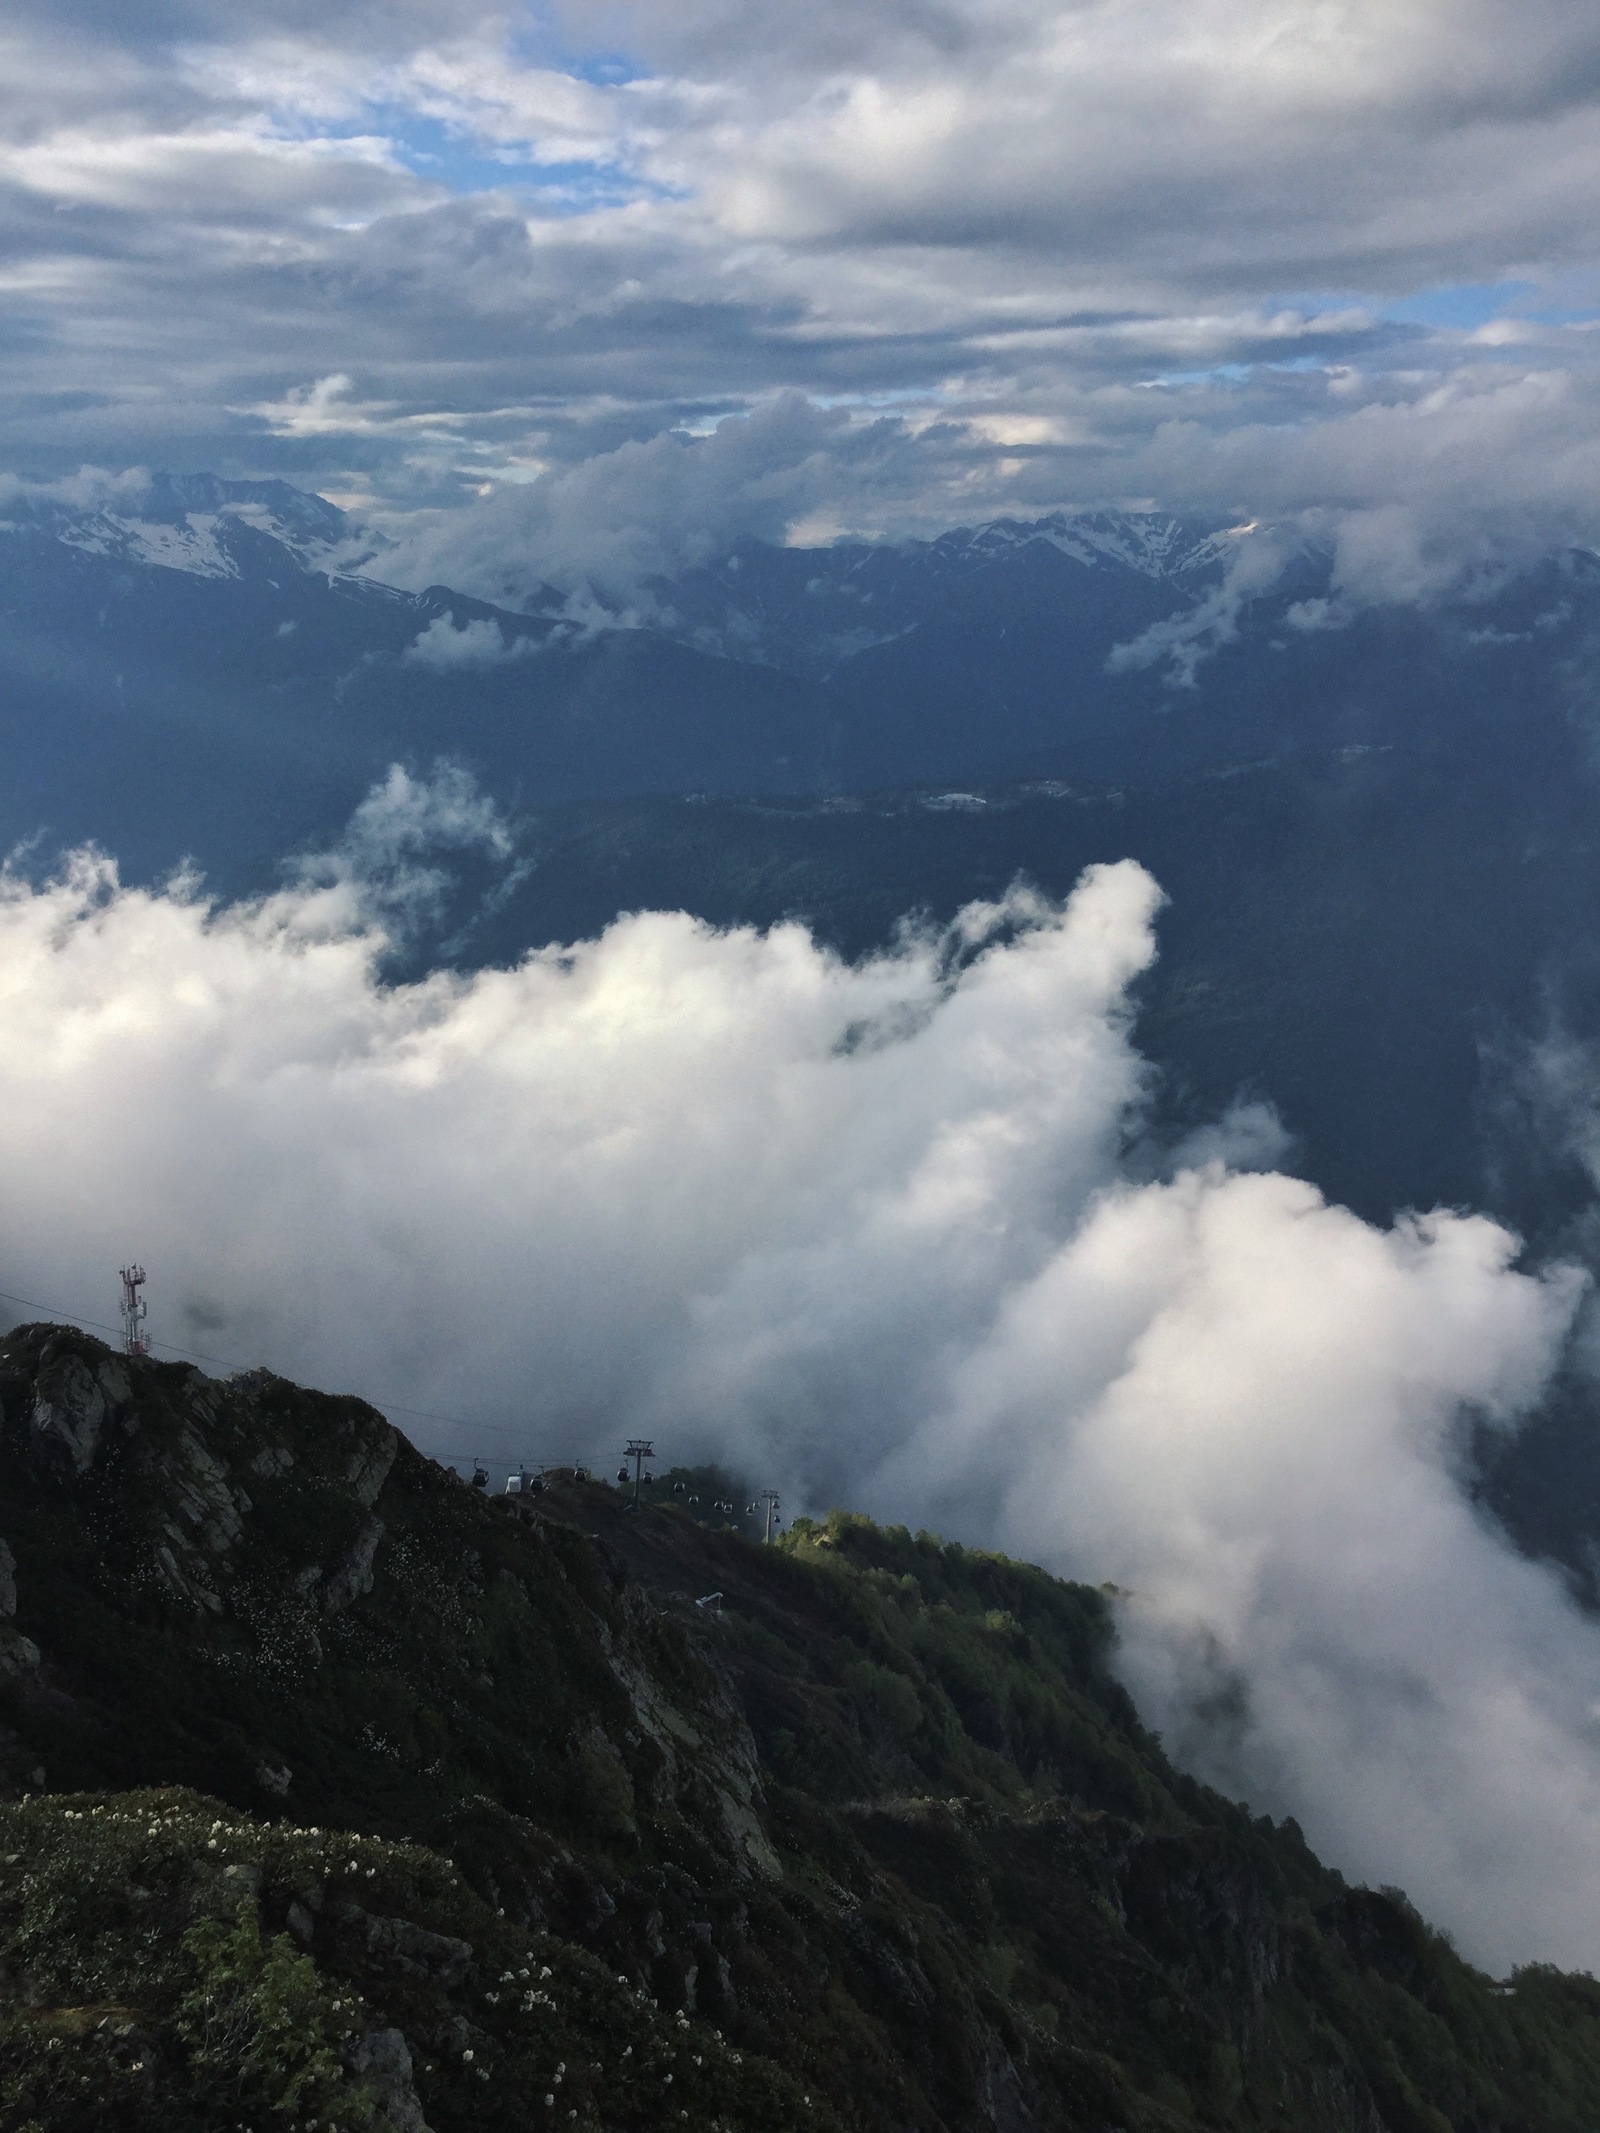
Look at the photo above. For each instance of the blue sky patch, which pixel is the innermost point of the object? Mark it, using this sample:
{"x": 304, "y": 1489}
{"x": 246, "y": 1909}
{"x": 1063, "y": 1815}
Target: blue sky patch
{"x": 1461, "y": 305}
{"x": 451, "y": 156}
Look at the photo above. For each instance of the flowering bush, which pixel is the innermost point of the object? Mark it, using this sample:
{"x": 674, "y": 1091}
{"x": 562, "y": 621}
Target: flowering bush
{"x": 144, "y": 1989}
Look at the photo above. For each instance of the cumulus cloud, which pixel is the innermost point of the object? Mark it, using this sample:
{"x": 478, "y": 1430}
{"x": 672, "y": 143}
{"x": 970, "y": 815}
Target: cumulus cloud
{"x": 449, "y": 649}
{"x": 892, "y": 1233}
{"x": 651, "y": 508}
{"x": 1243, "y": 1406}
{"x": 1056, "y": 255}
{"x": 388, "y": 874}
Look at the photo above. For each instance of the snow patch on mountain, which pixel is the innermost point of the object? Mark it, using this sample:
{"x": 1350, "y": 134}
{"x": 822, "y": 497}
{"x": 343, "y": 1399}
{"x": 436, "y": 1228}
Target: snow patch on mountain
{"x": 197, "y": 523}
{"x": 197, "y": 545}
{"x": 814, "y": 610}
{"x": 1154, "y": 545}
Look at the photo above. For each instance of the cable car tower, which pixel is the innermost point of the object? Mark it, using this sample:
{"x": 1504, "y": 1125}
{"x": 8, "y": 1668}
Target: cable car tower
{"x": 639, "y": 1450}
{"x": 135, "y": 1340}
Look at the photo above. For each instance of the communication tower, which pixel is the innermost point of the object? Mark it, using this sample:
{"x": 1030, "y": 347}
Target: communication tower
{"x": 135, "y": 1340}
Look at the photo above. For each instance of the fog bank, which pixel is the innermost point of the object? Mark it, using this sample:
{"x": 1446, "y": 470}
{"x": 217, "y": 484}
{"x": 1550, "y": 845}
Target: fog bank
{"x": 888, "y": 1234}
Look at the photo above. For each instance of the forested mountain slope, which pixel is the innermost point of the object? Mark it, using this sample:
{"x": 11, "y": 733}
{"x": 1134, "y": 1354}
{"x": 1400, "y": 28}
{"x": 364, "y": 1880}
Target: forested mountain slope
{"x": 207, "y": 672}
{"x": 494, "y": 1817}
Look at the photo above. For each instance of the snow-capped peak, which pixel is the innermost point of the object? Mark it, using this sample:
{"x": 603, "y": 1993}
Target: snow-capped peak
{"x": 1149, "y": 542}
{"x": 187, "y": 522}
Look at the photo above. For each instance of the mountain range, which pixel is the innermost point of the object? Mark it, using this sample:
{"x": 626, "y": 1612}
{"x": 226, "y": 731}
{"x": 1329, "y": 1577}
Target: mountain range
{"x": 1375, "y": 824}
{"x": 198, "y": 668}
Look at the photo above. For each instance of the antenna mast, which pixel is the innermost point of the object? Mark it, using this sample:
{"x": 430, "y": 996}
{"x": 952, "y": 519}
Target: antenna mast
{"x": 135, "y": 1340}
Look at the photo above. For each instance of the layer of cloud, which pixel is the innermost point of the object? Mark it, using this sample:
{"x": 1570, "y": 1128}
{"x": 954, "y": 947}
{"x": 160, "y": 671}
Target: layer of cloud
{"x": 1056, "y": 254}
{"x": 1436, "y": 490}
{"x": 890, "y": 1233}
{"x": 655, "y": 507}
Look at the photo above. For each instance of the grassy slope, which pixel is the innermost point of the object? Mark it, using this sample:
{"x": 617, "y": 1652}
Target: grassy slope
{"x": 885, "y": 1823}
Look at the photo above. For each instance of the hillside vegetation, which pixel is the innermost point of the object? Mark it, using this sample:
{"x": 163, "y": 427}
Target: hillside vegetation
{"x": 336, "y": 1794}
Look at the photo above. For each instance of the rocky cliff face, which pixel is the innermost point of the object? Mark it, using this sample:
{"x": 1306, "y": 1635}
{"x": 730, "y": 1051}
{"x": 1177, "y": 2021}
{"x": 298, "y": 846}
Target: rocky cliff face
{"x": 483, "y": 1798}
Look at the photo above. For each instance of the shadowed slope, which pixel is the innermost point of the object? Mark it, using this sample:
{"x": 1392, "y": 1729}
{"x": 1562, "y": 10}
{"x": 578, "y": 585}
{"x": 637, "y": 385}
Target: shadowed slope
{"x": 885, "y": 1822}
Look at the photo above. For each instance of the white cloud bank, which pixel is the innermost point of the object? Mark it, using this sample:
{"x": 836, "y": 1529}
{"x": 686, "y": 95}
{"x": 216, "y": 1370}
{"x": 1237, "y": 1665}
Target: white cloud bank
{"x": 884, "y": 1234}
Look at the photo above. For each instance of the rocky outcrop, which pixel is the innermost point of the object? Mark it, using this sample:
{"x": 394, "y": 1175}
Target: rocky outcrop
{"x": 17, "y": 1652}
{"x": 401, "y": 1945}
{"x": 273, "y": 1774}
{"x": 383, "y": 2060}
{"x": 715, "y": 1743}
{"x": 370, "y": 1466}
{"x": 353, "y": 1579}
{"x": 72, "y": 1399}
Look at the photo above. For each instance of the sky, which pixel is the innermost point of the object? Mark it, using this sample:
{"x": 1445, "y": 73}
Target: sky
{"x": 1329, "y": 261}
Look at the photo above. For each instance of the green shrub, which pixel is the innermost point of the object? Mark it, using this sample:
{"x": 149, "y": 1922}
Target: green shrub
{"x": 264, "y": 2029}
